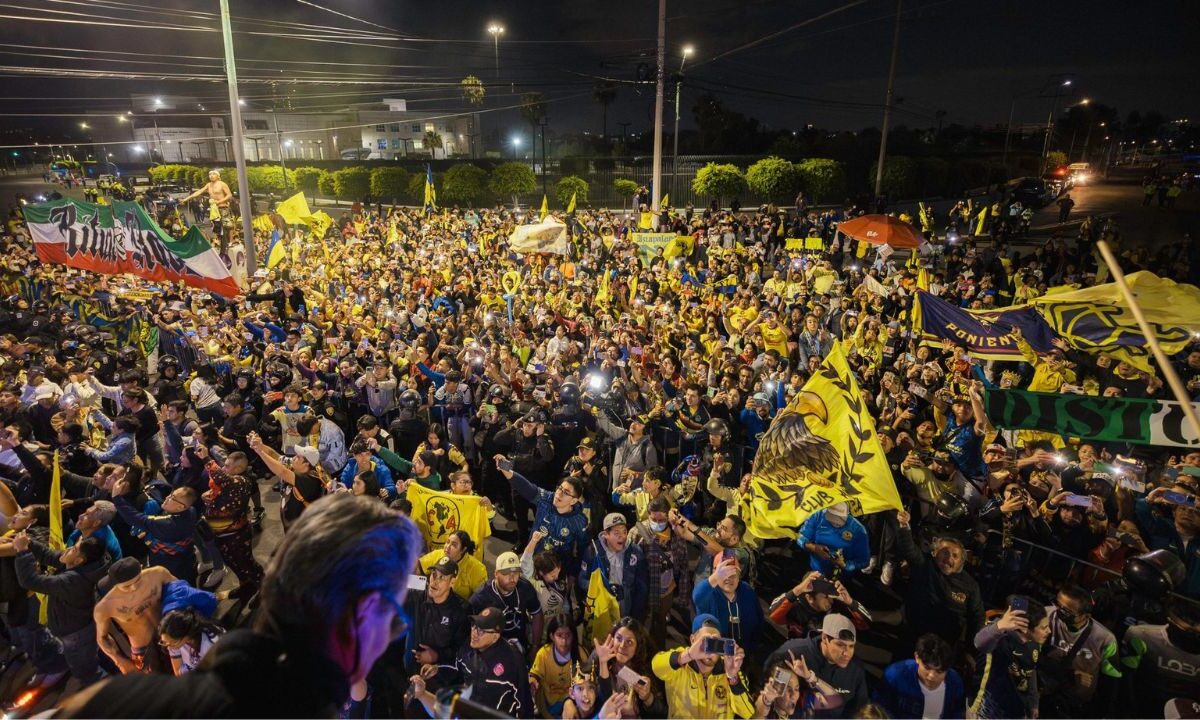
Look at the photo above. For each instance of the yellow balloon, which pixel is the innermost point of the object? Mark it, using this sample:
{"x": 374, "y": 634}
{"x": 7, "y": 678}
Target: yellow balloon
{"x": 511, "y": 282}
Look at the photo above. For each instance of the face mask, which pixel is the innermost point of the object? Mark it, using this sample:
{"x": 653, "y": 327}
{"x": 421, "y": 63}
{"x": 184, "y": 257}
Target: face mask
{"x": 658, "y": 526}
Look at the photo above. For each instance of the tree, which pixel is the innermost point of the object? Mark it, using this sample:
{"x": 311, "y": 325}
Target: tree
{"x": 719, "y": 181}
{"x": 571, "y": 185}
{"x": 822, "y": 179}
{"x": 389, "y": 183}
{"x": 352, "y": 183}
{"x": 533, "y": 111}
{"x": 512, "y": 179}
{"x": 270, "y": 179}
{"x": 773, "y": 178}
{"x": 626, "y": 188}
{"x": 416, "y": 189}
{"x": 325, "y": 184}
{"x": 433, "y": 141}
{"x": 306, "y": 179}
{"x": 901, "y": 177}
{"x": 1056, "y": 158}
{"x": 472, "y": 90}
{"x": 605, "y": 92}
{"x": 464, "y": 184}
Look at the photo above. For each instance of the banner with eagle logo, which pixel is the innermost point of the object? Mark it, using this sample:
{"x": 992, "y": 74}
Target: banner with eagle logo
{"x": 820, "y": 450}
{"x": 439, "y": 514}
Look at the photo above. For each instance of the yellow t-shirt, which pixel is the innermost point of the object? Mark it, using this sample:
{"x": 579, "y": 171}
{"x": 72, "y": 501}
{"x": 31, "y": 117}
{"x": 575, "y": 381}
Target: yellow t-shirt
{"x": 554, "y": 680}
{"x": 774, "y": 339}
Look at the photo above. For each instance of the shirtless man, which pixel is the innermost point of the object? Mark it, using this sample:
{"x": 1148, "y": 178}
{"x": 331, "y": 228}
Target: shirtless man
{"x": 135, "y": 603}
{"x": 219, "y": 197}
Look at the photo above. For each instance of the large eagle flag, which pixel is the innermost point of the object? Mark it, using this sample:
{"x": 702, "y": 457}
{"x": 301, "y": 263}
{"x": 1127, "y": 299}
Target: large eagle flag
{"x": 820, "y": 450}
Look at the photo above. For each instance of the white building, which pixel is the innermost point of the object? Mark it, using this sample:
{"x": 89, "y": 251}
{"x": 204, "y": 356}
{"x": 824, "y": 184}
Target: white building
{"x": 177, "y": 129}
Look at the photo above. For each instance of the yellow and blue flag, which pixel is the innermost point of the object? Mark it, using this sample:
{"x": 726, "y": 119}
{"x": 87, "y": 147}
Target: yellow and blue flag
{"x": 430, "y": 192}
{"x": 545, "y": 208}
{"x": 276, "y": 253}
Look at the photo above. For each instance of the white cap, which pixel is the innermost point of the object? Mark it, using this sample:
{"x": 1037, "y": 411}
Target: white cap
{"x": 43, "y": 392}
{"x": 308, "y": 452}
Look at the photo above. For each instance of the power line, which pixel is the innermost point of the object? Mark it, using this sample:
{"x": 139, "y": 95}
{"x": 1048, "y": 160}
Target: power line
{"x": 777, "y": 33}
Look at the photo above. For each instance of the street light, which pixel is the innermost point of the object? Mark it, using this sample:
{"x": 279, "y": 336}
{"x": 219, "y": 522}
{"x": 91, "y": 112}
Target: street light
{"x": 1050, "y": 120}
{"x": 684, "y": 55}
{"x": 516, "y": 143}
{"x": 83, "y": 125}
{"x": 496, "y": 30}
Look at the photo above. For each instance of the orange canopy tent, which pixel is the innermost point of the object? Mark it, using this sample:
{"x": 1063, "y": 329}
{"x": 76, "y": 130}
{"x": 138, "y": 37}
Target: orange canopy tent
{"x": 881, "y": 230}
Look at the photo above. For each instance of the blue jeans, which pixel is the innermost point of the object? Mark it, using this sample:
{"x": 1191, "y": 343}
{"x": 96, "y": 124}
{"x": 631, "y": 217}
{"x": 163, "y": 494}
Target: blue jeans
{"x": 80, "y": 651}
{"x": 36, "y": 640}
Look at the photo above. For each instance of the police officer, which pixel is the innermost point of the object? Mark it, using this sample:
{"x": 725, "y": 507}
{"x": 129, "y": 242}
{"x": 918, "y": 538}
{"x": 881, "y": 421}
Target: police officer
{"x": 129, "y": 360}
{"x": 526, "y": 443}
{"x": 408, "y": 430}
{"x": 569, "y": 423}
{"x": 169, "y": 385}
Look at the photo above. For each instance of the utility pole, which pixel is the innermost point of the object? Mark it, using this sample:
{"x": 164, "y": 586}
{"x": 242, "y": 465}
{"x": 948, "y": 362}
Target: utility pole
{"x": 239, "y": 151}
{"x": 542, "y": 124}
{"x": 887, "y": 106}
{"x": 279, "y": 143}
{"x": 659, "y": 91}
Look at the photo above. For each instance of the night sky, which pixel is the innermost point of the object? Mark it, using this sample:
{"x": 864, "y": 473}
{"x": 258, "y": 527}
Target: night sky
{"x": 967, "y": 58}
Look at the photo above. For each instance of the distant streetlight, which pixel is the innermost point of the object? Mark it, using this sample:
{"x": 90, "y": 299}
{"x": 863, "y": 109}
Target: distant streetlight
{"x": 516, "y": 143}
{"x": 1066, "y": 83}
{"x": 138, "y": 149}
{"x": 241, "y": 102}
{"x": 1085, "y": 101}
{"x": 83, "y": 125}
{"x": 685, "y": 53}
{"x": 496, "y": 30}
{"x": 122, "y": 118}
{"x": 158, "y": 101}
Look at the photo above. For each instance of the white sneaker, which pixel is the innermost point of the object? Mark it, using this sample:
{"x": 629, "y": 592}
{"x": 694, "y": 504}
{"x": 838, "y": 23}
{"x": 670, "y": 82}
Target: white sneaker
{"x": 870, "y": 568}
{"x": 886, "y": 574}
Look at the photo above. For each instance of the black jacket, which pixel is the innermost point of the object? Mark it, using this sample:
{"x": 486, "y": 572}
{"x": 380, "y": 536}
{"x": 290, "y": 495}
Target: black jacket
{"x": 72, "y": 593}
{"x": 245, "y": 675}
{"x": 850, "y": 681}
{"x": 949, "y": 605}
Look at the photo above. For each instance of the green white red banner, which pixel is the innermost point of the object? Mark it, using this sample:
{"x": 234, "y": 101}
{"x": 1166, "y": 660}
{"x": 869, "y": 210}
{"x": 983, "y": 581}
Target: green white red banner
{"x": 122, "y": 238}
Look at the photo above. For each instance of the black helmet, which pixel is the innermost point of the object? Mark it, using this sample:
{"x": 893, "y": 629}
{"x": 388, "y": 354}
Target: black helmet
{"x": 129, "y": 355}
{"x": 168, "y": 361}
{"x": 409, "y": 399}
{"x": 41, "y": 306}
{"x": 246, "y": 374}
{"x": 98, "y": 340}
{"x": 952, "y": 508}
{"x": 496, "y": 394}
{"x": 1155, "y": 573}
{"x": 536, "y": 416}
{"x": 568, "y": 393}
{"x": 717, "y": 426}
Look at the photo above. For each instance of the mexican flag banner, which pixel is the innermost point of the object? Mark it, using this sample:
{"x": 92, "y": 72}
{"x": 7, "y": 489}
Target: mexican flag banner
{"x": 122, "y": 238}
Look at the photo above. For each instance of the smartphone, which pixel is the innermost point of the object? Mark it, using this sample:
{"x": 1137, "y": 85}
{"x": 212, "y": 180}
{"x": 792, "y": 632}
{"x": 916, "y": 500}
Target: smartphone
{"x": 630, "y": 677}
{"x": 635, "y": 351}
{"x": 417, "y": 583}
{"x": 203, "y": 331}
{"x": 780, "y": 678}
{"x": 1020, "y": 602}
{"x": 489, "y": 409}
{"x": 719, "y": 646}
{"x": 1082, "y": 501}
{"x": 918, "y": 390}
{"x": 505, "y": 465}
{"x": 1178, "y": 498}
{"x": 910, "y": 357}
{"x": 539, "y": 394}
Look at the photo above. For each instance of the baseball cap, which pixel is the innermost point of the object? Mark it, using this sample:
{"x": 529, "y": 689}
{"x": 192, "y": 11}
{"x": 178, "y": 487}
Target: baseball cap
{"x": 445, "y": 566}
{"x": 996, "y": 447}
{"x": 612, "y": 520}
{"x": 124, "y": 570}
{"x": 489, "y": 618}
{"x": 43, "y": 392}
{"x": 507, "y": 562}
{"x": 308, "y": 452}
{"x": 588, "y": 442}
{"x": 704, "y": 620}
{"x": 838, "y": 627}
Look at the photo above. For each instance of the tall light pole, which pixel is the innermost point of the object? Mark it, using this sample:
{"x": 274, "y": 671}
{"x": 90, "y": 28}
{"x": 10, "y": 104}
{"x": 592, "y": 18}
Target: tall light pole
{"x": 685, "y": 53}
{"x": 496, "y": 30}
{"x": 887, "y": 103}
{"x": 516, "y": 143}
{"x": 239, "y": 150}
{"x": 659, "y": 91}
{"x": 279, "y": 144}
{"x": 1050, "y": 120}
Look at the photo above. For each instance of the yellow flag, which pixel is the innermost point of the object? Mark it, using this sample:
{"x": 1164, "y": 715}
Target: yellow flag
{"x": 320, "y": 222}
{"x": 1098, "y": 319}
{"x": 923, "y": 279}
{"x": 393, "y": 233}
{"x": 545, "y": 208}
{"x": 438, "y": 514}
{"x": 294, "y": 210}
{"x": 56, "y": 530}
{"x": 263, "y": 223}
{"x": 665, "y": 204}
{"x": 602, "y": 295}
{"x": 820, "y": 450}
{"x": 633, "y": 285}
{"x": 600, "y": 609}
{"x": 571, "y": 205}
{"x": 983, "y": 214}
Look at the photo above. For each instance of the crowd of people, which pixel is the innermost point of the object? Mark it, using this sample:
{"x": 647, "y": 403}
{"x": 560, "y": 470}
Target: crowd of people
{"x": 608, "y": 406}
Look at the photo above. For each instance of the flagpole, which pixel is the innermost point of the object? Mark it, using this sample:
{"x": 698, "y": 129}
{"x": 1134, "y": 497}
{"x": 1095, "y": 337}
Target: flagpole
{"x": 1164, "y": 363}
{"x": 659, "y": 91}
{"x": 245, "y": 201}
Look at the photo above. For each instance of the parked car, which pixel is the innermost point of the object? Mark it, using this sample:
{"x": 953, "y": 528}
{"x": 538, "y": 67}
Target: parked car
{"x": 1033, "y": 192}
{"x": 168, "y": 192}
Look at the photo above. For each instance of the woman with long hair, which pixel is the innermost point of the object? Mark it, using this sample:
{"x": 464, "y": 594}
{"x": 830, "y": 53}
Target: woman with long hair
{"x": 187, "y": 637}
{"x": 627, "y": 647}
